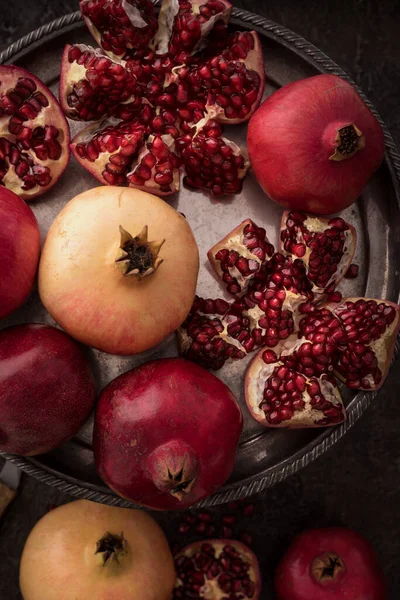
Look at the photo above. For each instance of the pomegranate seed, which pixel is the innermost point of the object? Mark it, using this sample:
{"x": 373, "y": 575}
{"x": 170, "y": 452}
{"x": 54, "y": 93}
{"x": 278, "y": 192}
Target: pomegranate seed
{"x": 352, "y": 272}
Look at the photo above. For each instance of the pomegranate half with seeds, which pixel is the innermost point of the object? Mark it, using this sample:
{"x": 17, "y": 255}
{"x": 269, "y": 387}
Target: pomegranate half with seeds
{"x": 217, "y": 569}
{"x": 157, "y": 437}
{"x": 34, "y": 134}
{"x": 119, "y": 269}
{"x": 158, "y": 101}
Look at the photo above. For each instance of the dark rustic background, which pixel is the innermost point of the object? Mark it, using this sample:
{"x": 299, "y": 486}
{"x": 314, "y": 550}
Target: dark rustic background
{"x": 357, "y": 483}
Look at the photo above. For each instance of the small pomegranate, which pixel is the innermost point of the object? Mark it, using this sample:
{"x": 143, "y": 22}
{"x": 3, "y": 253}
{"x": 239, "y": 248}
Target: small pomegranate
{"x": 335, "y": 563}
{"x": 158, "y": 100}
{"x": 217, "y": 569}
{"x": 119, "y": 269}
{"x": 47, "y": 389}
{"x": 371, "y": 328}
{"x": 314, "y": 144}
{"x": 19, "y": 251}
{"x": 87, "y": 550}
{"x": 326, "y": 246}
{"x": 152, "y": 442}
{"x": 34, "y": 149}
{"x": 290, "y": 386}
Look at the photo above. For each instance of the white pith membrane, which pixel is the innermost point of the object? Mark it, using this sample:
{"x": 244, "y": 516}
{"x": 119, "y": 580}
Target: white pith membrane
{"x": 43, "y": 119}
{"x": 319, "y": 225}
{"x": 259, "y": 372}
{"x": 210, "y": 589}
{"x": 382, "y": 347}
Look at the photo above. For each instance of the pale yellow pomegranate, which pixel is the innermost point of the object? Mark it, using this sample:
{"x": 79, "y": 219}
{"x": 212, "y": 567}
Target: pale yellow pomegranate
{"x": 119, "y": 269}
{"x": 89, "y": 551}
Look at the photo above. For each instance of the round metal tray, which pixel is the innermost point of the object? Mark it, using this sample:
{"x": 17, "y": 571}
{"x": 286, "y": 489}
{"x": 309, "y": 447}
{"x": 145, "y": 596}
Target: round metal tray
{"x": 265, "y": 456}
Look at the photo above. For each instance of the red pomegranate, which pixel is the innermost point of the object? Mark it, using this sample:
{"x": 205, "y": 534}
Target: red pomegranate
{"x": 47, "y": 389}
{"x": 19, "y": 251}
{"x": 217, "y": 569}
{"x": 159, "y": 93}
{"x": 119, "y": 269}
{"x": 166, "y": 434}
{"x": 35, "y": 148}
{"x": 314, "y": 144}
{"x": 88, "y": 550}
{"x": 335, "y": 563}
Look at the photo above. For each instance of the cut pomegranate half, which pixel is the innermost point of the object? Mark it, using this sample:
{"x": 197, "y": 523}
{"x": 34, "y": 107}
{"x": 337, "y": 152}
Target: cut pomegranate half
{"x": 94, "y": 86}
{"x": 371, "y": 328}
{"x": 217, "y": 569}
{"x": 326, "y": 246}
{"x": 120, "y": 25}
{"x": 184, "y": 26}
{"x": 240, "y": 256}
{"x": 212, "y": 334}
{"x": 279, "y": 393}
{"x": 34, "y": 134}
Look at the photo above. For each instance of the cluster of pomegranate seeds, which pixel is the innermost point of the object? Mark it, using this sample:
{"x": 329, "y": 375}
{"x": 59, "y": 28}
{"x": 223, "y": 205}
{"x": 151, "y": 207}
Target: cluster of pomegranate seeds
{"x": 120, "y": 25}
{"x": 325, "y": 246}
{"x": 229, "y": 567}
{"x": 190, "y": 76}
{"x": 370, "y": 327}
{"x": 35, "y": 134}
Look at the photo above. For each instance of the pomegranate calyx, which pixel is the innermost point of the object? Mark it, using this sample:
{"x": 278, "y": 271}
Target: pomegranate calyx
{"x": 112, "y": 547}
{"x": 327, "y": 567}
{"x": 349, "y": 140}
{"x": 136, "y": 255}
{"x": 174, "y": 468}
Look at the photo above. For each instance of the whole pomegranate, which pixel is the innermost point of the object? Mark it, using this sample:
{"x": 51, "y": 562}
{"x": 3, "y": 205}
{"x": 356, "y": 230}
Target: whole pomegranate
{"x": 86, "y": 550}
{"x": 314, "y": 145}
{"x": 34, "y": 143}
{"x": 166, "y": 434}
{"x": 119, "y": 269}
{"x": 335, "y": 563}
{"x": 47, "y": 389}
{"x": 19, "y": 251}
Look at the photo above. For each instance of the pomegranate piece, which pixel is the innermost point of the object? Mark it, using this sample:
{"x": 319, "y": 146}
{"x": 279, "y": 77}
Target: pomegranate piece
{"x": 239, "y": 257}
{"x": 183, "y": 26}
{"x": 94, "y": 86}
{"x": 371, "y": 328}
{"x": 284, "y": 387}
{"x": 212, "y": 334}
{"x": 326, "y": 246}
{"x": 333, "y": 562}
{"x": 120, "y": 25}
{"x": 168, "y": 460}
{"x": 217, "y": 569}
{"x": 213, "y": 163}
{"x": 34, "y": 134}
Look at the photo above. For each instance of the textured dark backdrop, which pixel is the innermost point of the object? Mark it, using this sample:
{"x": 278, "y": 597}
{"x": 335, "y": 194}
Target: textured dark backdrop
{"x": 356, "y": 484}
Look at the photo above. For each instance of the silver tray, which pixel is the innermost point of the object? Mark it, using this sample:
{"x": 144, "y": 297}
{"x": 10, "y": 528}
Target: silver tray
{"x": 265, "y": 456}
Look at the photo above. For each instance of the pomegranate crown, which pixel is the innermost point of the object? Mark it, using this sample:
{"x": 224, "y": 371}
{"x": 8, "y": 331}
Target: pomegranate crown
{"x": 136, "y": 255}
{"x": 111, "y": 547}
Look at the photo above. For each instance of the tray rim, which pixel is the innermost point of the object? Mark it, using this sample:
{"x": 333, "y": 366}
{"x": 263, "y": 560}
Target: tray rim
{"x": 252, "y": 485}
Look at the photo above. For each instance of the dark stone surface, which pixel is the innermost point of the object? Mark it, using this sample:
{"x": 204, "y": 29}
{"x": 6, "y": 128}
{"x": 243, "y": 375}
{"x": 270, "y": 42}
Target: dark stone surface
{"x": 357, "y": 483}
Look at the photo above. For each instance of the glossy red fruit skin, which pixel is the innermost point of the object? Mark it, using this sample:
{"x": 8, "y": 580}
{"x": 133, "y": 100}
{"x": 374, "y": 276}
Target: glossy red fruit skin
{"x": 47, "y": 389}
{"x": 143, "y": 409}
{"x": 363, "y": 578}
{"x": 19, "y": 251}
{"x": 290, "y": 156}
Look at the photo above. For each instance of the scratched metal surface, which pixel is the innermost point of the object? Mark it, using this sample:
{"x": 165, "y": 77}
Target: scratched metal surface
{"x": 265, "y": 456}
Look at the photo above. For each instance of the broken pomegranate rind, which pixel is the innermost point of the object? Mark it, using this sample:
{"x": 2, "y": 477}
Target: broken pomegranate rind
{"x": 326, "y": 246}
{"x": 279, "y": 396}
{"x": 239, "y": 257}
{"x": 214, "y": 568}
{"x": 34, "y": 134}
{"x": 371, "y": 328}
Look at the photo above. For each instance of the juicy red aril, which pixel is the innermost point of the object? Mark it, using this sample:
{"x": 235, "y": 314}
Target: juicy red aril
{"x": 352, "y": 272}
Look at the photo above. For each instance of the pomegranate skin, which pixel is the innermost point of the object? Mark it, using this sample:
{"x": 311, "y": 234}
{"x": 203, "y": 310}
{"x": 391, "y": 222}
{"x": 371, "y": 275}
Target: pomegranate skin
{"x": 361, "y": 579}
{"x": 292, "y": 136}
{"x": 19, "y": 250}
{"x": 166, "y": 416}
{"x": 47, "y": 389}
